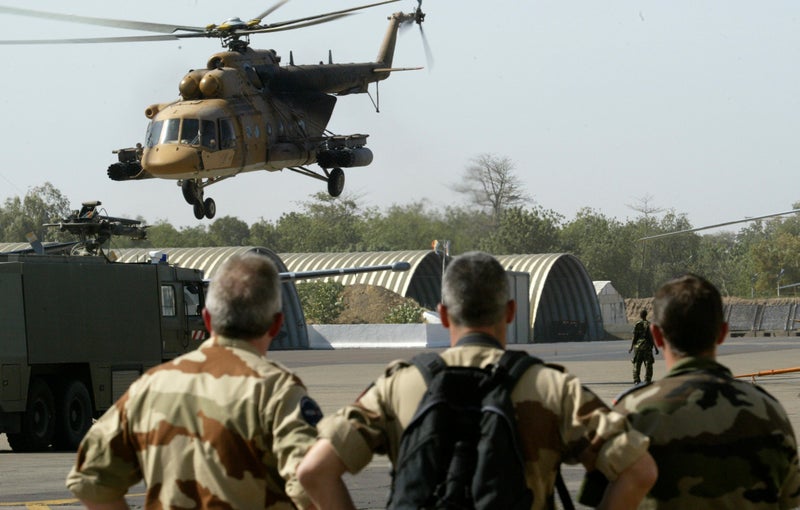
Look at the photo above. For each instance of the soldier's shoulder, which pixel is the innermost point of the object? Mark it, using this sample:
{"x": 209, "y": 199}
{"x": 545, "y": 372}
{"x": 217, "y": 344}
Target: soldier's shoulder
{"x": 630, "y": 391}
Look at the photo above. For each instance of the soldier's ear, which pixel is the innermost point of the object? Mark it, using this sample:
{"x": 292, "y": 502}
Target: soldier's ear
{"x": 723, "y": 333}
{"x": 657, "y": 334}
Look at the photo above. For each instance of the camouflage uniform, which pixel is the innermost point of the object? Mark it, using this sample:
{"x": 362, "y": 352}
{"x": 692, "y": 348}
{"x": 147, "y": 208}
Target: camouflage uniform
{"x": 221, "y": 427}
{"x": 718, "y": 442}
{"x": 642, "y": 346}
{"x": 558, "y": 419}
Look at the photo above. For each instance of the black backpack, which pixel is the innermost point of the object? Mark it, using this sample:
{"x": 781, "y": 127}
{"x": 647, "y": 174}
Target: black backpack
{"x": 462, "y": 448}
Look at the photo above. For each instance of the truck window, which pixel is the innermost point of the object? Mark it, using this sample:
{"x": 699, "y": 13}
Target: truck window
{"x": 167, "y": 301}
{"x": 191, "y": 298}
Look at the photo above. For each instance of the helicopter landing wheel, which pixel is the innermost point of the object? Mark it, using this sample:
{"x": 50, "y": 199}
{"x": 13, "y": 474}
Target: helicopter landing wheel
{"x": 210, "y": 208}
{"x": 336, "y": 182}
{"x": 190, "y": 192}
{"x": 199, "y": 212}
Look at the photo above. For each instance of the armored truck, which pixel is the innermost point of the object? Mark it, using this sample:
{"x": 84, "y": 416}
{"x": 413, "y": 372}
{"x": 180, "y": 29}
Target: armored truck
{"x": 76, "y": 331}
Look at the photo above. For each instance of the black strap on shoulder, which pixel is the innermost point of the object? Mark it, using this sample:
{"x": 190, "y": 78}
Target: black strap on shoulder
{"x": 429, "y": 364}
{"x": 516, "y": 363}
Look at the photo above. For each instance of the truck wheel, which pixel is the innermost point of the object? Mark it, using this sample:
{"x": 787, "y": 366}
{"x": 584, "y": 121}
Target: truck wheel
{"x": 38, "y": 424}
{"x": 73, "y": 416}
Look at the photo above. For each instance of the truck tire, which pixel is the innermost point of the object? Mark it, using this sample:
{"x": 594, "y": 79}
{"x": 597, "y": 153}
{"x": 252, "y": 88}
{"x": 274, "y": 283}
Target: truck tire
{"x": 38, "y": 423}
{"x": 73, "y": 415}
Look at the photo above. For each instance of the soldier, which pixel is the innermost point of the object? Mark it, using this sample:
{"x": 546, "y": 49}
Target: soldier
{"x": 221, "y": 426}
{"x": 559, "y": 419}
{"x": 643, "y": 345}
{"x": 719, "y": 442}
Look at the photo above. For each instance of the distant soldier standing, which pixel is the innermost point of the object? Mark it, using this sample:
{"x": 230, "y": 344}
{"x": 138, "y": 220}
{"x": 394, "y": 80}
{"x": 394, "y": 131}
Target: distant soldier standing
{"x": 643, "y": 353}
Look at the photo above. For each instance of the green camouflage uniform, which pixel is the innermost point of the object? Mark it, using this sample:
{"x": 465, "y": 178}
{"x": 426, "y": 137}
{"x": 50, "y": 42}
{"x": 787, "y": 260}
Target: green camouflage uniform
{"x": 642, "y": 351}
{"x": 221, "y": 426}
{"x": 719, "y": 442}
{"x": 558, "y": 419}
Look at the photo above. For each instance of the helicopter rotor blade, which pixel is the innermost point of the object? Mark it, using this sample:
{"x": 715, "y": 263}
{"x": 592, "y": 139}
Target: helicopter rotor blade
{"x": 106, "y": 22}
{"x": 275, "y": 6}
{"x": 318, "y": 16}
{"x": 292, "y": 27}
{"x": 428, "y": 52}
{"x": 95, "y": 40}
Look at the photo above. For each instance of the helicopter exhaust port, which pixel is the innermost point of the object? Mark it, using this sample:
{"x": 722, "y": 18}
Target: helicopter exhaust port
{"x": 344, "y": 158}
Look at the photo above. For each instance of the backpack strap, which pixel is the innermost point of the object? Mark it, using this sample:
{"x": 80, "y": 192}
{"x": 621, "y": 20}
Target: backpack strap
{"x": 516, "y": 363}
{"x": 429, "y": 364}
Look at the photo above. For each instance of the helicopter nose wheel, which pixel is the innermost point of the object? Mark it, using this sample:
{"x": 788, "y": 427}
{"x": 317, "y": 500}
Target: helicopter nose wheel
{"x": 193, "y": 194}
{"x": 336, "y": 182}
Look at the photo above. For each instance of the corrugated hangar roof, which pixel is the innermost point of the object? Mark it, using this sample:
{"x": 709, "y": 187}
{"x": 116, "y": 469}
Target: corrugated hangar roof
{"x": 563, "y": 301}
{"x": 422, "y": 282}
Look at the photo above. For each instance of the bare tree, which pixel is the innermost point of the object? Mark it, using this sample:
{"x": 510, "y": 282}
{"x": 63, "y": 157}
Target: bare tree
{"x": 490, "y": 182}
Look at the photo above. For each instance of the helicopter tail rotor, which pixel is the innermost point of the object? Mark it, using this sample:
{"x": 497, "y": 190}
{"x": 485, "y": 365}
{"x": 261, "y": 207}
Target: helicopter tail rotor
{"x": 418, "y": 17}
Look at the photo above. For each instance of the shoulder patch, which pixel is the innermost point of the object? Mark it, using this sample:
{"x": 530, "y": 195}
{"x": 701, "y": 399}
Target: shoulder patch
{"x": 310, "y": 410}
{"x": 629, "y": 391}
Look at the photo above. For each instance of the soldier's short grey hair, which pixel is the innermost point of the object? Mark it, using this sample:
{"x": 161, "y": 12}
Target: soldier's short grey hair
{"x": 475, "y": 290}
{"x": 244, "y": 296}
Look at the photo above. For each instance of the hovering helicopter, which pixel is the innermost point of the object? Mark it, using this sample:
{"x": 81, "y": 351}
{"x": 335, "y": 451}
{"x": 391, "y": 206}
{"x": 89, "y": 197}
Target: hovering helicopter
{"x": 245, "y": 111}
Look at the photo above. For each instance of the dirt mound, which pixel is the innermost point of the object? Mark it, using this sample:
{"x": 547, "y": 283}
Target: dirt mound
{"x": 369, "y": 304}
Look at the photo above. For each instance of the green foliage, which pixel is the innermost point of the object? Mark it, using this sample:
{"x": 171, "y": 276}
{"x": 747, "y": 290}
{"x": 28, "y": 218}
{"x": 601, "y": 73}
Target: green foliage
{"x": 752, "y": 262}
{"x": 321, "y": 300}
{"x": 522, "y": 230}
{"x": 404, "y": 313}
{"x": 42, "y": 204}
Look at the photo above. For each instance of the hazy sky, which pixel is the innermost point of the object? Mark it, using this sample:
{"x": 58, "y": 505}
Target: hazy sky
{"x": 598, "y": 104}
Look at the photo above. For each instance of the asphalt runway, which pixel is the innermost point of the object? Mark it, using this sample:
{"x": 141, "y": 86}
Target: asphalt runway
{"x": 335, "y": 378}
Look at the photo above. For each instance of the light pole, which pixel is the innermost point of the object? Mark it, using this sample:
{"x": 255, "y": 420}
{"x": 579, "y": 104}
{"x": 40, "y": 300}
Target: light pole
{"x": 778, "y": 283}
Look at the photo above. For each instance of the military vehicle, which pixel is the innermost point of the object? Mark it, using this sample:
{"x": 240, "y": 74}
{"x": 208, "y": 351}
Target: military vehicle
{"x": 79, "y": 329}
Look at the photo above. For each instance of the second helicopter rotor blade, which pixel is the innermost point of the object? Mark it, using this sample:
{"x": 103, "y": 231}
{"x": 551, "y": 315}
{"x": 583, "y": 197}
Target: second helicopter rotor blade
{"x": 106, "y": 22}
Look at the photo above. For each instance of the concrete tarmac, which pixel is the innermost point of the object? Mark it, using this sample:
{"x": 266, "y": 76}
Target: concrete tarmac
{"x": 335, "y": 378}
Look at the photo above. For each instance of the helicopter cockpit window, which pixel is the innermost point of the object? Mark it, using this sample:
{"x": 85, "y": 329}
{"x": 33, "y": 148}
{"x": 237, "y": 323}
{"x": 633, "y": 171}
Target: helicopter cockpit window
{"x": 170, "y": 131}
{"x": 190, "y": 132}
{"x": 153, "y": 133}
{"x": 227, "y": 135}
{"x": 208, "y": 134}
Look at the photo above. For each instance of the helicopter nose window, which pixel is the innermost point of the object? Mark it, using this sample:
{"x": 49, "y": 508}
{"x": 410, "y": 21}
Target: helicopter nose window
{"x": 190, "y": 132}
{"x": 153, "y": 133}
{"x": 208, "y": 134}
{"x": 170, "y": 131}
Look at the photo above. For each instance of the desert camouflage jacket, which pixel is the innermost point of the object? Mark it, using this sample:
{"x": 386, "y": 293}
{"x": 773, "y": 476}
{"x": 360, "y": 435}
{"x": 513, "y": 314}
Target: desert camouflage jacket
{"x": 719, "y": 442}
{"x": 220, "y": 427}
{"x": 559, "y": 420}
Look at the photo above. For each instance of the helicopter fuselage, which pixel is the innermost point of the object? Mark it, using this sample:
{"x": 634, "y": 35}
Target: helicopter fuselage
{"x": 244, "y": 112}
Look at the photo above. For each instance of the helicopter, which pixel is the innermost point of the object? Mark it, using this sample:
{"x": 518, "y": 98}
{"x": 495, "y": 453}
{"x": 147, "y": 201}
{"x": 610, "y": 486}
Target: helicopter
{"x": 244, "y": 111}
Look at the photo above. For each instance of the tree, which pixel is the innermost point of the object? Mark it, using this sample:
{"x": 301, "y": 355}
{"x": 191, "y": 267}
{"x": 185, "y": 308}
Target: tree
{"x": 42, "y": 204}
{"x": 229, "y": 231}
{"x": 605, "y": 247}
{"x": 402, "y": 227}
{"x": 263, "y": 233}
{"x": 327, "y": 224}
{"x": 490, "y": 183}
{"x": 522, "y": 230}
